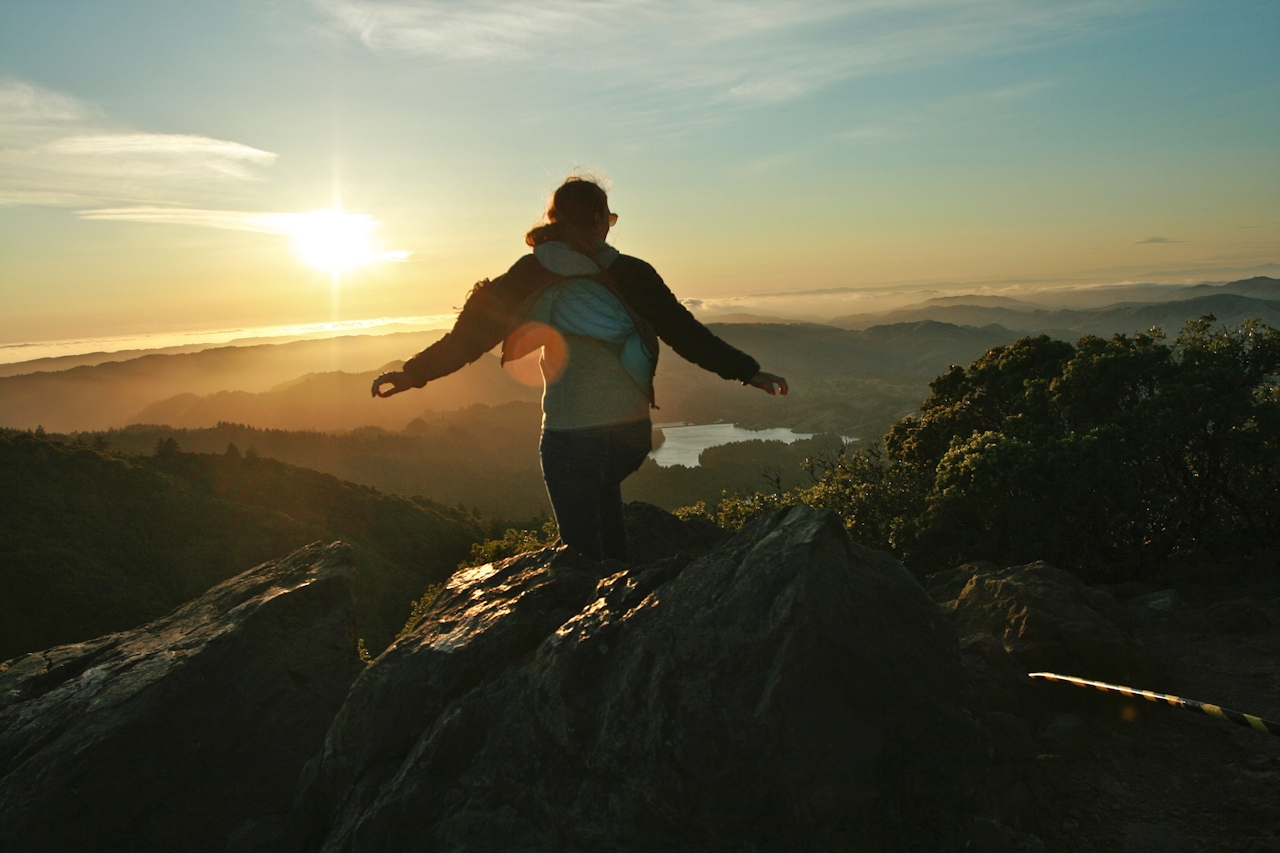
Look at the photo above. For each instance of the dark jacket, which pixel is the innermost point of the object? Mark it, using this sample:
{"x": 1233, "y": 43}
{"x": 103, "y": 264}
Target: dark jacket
{"x": 495, "y": 309}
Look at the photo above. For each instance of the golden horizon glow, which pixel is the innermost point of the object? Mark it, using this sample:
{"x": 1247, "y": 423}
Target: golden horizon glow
{"x": 808, "y": 164}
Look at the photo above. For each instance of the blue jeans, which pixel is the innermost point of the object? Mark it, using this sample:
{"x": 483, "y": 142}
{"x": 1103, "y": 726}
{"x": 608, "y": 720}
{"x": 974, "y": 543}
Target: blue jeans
{"x": 584, "y": 470}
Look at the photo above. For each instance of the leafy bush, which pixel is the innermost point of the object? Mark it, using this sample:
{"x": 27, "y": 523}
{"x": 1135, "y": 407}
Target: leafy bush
{"x": 420, "y": 608}
{"x": 1108, "y": 449}
{"x": 514, "y": 541}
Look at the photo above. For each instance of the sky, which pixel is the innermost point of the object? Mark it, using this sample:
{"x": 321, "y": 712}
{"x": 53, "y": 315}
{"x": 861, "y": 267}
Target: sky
{"x": 187, "y": 167}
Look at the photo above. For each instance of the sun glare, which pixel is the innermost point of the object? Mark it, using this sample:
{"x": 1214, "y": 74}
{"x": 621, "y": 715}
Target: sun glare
{"x": 336, "y": 241}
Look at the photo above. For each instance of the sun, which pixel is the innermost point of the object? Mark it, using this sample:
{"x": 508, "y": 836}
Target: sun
{"x": 336, "y": 241}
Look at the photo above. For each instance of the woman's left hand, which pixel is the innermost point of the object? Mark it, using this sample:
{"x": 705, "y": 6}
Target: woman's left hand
{"x": 766, "y": 381}
{"x": 398, "y": 380}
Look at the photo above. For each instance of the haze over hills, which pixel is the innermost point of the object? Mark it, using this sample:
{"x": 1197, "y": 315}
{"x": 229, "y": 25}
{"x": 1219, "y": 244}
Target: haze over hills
{"x": 853, "y": 383}
{"x": 272, "y": 387}
{"x": 340, "y": 400}
{"x": 820, "y": 305}
{"x": 111, "y": 394}
{"x": 479, "y": 457}
{"x": 1231, "y": 303}
{"x": 849, "y": 382}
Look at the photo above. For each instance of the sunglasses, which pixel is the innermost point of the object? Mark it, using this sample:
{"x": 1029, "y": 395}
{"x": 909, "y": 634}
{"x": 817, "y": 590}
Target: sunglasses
{"x": 613, "y": 219}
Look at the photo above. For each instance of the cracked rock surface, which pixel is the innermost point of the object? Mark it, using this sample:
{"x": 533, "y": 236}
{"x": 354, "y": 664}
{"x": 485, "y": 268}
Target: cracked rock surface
{"x": 188, "y": 731}
{"x": 789, "y": 690}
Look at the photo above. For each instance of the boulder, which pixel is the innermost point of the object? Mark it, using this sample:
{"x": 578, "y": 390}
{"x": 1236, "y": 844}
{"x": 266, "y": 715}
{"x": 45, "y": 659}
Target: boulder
{"x": 1047, "y": 619}
{"x": 654, "y": 533}
{"x": 188, "y": 732}
{"x": 1154, "y": 606}
{"x": 1241, "y": 616}
{"x": 1000, "y": 682}
{"x": 788, "y": 690}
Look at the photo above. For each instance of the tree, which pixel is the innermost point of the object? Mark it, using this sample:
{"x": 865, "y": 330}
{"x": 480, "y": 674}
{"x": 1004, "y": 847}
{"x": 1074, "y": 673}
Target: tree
{"x": 1102, "y": 450}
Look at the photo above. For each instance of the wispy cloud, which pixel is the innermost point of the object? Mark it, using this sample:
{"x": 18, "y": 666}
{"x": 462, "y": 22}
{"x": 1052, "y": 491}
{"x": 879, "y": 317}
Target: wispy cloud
{"x": 945, "y": 115}
{"x": 30, "y": 111}
{"x": 232, "y": 220}
{"x": 56, "y": 151}
{"x": 1157, "y": 240}
{"x": 165, "y": 152}
{"x": 747, "y": 51}
{"x": 312, "y": 232}
{"x": 461, "y": 31}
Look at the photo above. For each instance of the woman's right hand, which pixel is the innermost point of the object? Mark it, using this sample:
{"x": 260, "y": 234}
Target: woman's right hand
{"x": 398, "y": 379}
{"x": 766, "y": 381}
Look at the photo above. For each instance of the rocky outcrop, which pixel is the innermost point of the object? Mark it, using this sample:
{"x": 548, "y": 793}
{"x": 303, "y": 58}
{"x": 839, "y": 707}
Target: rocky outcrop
{"x": 786, "y": 690}
{"x": 184, "y": 734}
{"x": 1046, "y": 618}
{"x": 790, "y": 690}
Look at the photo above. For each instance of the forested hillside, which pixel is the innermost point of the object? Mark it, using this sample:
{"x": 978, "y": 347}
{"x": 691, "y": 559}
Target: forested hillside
{"x": 483, "y": 457}
{"x": 1105, "y": 452}
{"x": 844, "y": 382}
{"x": 94, "y": 541}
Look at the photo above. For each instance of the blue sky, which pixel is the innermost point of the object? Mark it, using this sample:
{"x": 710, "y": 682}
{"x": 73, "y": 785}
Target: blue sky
{"x": 752, "y": 147}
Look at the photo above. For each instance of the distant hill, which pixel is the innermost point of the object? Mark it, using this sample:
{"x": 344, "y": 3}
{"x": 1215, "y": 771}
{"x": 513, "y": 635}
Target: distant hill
{"x": 252, "y": 364}
{"x": 1230, "y": 309}
{"x": 349, "y": 345}
{"x": 88, "y": 359}
{"x": 340, "y": 401}
{"x": 481, "y": 456}
{"x": 918, "y": 349}
{"x": 1259, "y": 287}
{"x": 741, "y": 317}
{"x": 849, "y": 382}
{"x": 1231, "y": 303}
{"x": 846, "y": 382}
{"x": 982, "y": 300}
{"x": 93, "y": 541}
{"x": 957, "y": 313}
{"x": 116, "y": 393}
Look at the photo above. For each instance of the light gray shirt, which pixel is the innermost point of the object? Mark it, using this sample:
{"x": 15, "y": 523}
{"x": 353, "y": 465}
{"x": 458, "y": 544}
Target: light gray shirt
{"x": 589, "y": 387}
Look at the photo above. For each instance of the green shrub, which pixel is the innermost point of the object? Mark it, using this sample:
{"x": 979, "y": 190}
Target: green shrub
{"x": 1103, "y": 450}
{"x": 514, "y": 541}
{"x": 419, "y": 608}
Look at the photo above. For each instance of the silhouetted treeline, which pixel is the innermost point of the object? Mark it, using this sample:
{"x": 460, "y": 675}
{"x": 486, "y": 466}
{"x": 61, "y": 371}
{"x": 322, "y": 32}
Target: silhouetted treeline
{"x": 481, "y": 457}
{"x": 744, "y": 466}
{"x": 1105, "y": 451}
{"x": 94, "y": 541}
{"x": 484, "y": 458}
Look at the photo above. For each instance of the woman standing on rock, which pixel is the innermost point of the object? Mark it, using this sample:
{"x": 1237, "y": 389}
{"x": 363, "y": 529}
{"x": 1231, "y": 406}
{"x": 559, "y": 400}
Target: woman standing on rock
{"x": 598, "y": 315}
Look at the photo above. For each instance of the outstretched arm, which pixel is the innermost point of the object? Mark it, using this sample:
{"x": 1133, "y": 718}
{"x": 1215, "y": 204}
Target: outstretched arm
{"x": 693, "y": 341}
{"x": 485, "y": 320}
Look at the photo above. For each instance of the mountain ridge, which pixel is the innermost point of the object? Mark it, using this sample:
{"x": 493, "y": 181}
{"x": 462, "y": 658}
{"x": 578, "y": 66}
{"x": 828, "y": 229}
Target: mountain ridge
{"x": 1231, "y": 303}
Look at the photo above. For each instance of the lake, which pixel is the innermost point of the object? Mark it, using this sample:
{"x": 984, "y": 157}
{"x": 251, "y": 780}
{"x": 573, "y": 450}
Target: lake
{"x": 683, "y": 443}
